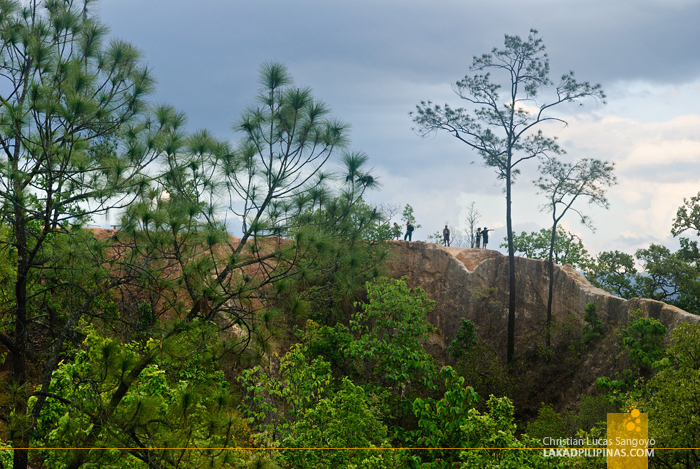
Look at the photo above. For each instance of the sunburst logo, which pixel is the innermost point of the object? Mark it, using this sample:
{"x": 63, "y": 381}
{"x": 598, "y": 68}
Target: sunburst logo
{"x": 628, "y": 443}
{"x": 634, "y": 421}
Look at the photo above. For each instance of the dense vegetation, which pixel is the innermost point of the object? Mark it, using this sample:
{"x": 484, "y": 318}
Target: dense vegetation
{"x": 170, "y": 343}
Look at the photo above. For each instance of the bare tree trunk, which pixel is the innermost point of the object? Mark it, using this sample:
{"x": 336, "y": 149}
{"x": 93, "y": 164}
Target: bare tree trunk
{"x": 511, "y": 275}
{"x": 19, "y": 355}
{"x": 551, "y": 282}
{"x": 472, "y": 220}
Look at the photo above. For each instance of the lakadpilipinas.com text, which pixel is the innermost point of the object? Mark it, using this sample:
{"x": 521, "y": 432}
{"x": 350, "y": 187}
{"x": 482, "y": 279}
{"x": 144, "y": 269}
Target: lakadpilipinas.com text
{"x": 598, "y": 448}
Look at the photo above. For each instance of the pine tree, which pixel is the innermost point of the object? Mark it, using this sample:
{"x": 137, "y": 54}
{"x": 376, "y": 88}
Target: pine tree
{"x": 67, "y": 96}
{"x": 508, "y": 133}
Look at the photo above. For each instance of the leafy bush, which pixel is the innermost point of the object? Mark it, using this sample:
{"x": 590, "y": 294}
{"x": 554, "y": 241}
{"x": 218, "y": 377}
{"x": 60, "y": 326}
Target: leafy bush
{"x": 464, "y": 341}
{"x": 591, "y": 411}
{"x": 299, "y": 405}
{"x": 390, "y": 328}
{"x": 671, "y": 399}
{"x": 644, "y": 340}
{"x": 548, "y": 424}
{"x": 593, "y": 325}
{"x": 345, "y": 420}
{"x": 177, "y": 401}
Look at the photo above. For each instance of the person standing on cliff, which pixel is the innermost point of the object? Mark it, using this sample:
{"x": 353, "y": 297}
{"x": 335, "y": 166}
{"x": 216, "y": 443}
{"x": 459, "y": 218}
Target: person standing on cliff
{"x": 478, "y": 238}
{"x": 446, "y": 236}
{"x": 397, "y": 231}
{"x": 409, "y": 231}
{"x": 485, "y": 235}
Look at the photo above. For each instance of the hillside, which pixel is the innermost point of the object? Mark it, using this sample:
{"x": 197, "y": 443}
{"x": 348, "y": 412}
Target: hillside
{"x": 473, "y": 284}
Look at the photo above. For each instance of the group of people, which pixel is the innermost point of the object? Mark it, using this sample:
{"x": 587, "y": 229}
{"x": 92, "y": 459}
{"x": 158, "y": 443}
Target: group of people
{"x": 480, "y": 234}
{"x": 397, "y": 231}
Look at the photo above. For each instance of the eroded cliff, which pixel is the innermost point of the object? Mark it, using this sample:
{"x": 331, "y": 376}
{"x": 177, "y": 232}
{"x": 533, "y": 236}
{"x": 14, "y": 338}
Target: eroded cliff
{"x": 473, "y": 284}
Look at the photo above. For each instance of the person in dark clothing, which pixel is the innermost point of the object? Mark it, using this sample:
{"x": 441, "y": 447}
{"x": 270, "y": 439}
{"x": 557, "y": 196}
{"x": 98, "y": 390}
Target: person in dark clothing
{"x": 409, "y": 231}
{"x": 478, "y": 238}
{"x": 485, "y": 235}
{"x": 446, "y": 236}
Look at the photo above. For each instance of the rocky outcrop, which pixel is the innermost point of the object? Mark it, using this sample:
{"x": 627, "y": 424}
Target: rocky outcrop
{"x": 473, "y": 284}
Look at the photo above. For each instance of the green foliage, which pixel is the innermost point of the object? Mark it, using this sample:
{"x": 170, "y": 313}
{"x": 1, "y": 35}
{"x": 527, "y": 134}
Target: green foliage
{"x": 308, "y": 239}
{"x": 74, "y": 283}
{"x": 390, "y": 328}
{"x": 408, "y": 217}
{"x": 440, "y": 422}
{"x": 383, "y": 348}
{"x": 671, "y": 277}
{"x": 344, "y": 246}
{"x": 172, "y": 293}
{"x": 275, "y": 400}
{"x": 587, "y": 462}
{"x": 331, "y": 344}
{"x": 70, "y": 102}
{"x": 667, "y": 276}
{"x": 453, "y": 422}
{"x": 6, "y": 454}
{"x": 687, "y": 216}
{"x": 496, "y": 429}
{"x": 345, "y": 420}
{"x": 614, "y": 385}
{"x": 671, "y": 400}
{"x": 644, "y": 340}
{"x": 548, "y": 424}
{"x": 464, "y": 341}
{"x": 593, "y": 326}
{"x": 299, "y": 405}
{"x": 436, "y": 237}
{"x": 591, "y": 412}
{"x": 615, "y": 272}
{"x": 568, "y": 248}
{"x": 180, "y": 400}
{"x": 380, "y": 232}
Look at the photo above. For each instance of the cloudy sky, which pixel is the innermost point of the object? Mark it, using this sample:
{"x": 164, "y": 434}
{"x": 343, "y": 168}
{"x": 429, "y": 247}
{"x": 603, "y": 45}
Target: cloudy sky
{"x": 372, "y": 61}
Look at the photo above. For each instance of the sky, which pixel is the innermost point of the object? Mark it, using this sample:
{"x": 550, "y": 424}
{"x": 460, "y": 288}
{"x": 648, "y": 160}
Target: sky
{"x": 373, "y": 61}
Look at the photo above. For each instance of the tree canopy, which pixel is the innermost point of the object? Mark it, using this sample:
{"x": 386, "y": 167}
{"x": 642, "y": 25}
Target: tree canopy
{"x": 504, "y": 132}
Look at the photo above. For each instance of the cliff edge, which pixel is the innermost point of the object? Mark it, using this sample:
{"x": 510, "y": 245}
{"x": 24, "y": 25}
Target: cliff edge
{"x": 473, "y": 284}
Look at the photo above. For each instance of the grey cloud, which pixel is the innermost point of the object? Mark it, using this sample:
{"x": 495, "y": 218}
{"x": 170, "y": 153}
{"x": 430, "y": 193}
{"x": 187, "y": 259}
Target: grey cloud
{"x": 632, "y": 243}
{"x": 212, "y": 47}
{"x": 664, "y": 172}
{"x": 372, "y": 62}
